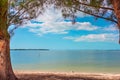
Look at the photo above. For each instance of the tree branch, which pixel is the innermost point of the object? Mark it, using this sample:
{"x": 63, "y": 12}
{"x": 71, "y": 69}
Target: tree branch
{"x": 96, "y": 15}
{"x": 107, "y": 8}
{"x": 17, "y": 13}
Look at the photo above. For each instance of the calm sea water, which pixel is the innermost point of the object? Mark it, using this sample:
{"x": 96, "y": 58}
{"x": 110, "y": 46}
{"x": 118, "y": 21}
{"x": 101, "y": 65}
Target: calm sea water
{"x": 107, "y": 61}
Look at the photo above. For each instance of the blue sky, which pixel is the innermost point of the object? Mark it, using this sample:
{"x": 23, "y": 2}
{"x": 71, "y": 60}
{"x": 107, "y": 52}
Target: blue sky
{"x": 52, "y": 31}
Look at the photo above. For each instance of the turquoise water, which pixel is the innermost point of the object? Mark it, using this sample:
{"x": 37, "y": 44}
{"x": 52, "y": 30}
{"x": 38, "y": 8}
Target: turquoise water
{"x": 67, "y": 60}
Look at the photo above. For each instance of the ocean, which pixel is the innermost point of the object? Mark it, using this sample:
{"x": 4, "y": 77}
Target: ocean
{"x": 96, "y": 61}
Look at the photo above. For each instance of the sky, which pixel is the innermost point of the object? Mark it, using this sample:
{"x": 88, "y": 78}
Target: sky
{"x": 51, "y": 31}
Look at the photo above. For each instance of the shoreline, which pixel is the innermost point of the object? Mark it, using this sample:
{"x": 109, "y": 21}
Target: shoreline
{"x": 37, "y": 75}
{"x": 65, "y": 72}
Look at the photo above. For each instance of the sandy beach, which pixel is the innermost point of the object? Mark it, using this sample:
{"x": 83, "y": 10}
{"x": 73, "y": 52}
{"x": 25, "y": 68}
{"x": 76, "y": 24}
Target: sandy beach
{"x": 27, "y": 75}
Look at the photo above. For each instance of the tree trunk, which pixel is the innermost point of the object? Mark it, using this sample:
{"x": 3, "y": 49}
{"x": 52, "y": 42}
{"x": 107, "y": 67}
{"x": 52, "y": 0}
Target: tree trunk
{"x": 116, "y": 6}
{"x": 6, "y": 72}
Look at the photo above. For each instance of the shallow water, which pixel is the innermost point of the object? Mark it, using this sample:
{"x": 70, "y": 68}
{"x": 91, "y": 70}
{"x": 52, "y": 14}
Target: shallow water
{"x": 103, "y": 61}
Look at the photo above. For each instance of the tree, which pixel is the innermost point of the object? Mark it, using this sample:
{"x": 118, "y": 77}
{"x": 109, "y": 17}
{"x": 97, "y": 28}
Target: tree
{"x": 18, "y": 12}
{"x": 6, "y": 72}
{"x": 14, "y": 12}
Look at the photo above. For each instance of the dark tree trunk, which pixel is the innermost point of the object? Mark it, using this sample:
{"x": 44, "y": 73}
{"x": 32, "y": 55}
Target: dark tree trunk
{"x": 6, "y": 72}
{"x": 116, "y": 6}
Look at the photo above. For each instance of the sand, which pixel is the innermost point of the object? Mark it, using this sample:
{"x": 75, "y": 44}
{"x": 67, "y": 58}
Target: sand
{"x": 31, "y": 75}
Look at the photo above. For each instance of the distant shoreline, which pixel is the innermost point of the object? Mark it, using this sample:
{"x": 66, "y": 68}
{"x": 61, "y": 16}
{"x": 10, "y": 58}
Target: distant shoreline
{"x": 68, "y": 49}
{"x": 30, "y": 49}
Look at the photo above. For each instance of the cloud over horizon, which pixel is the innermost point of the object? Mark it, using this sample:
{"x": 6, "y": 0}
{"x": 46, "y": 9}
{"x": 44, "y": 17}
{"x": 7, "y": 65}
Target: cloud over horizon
{"x": 94, "y": 38}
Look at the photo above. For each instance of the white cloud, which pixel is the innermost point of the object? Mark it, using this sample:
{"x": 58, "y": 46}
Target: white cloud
{"x": 50, "y": 15}
{"x": 112, "y": 27}
{"x": 94, "y": 37}
{"x": 85, "y": 26}
{"x": 59, "y": 27}
{"x": 53, "y": 15}
{"x": 53, "y": 22}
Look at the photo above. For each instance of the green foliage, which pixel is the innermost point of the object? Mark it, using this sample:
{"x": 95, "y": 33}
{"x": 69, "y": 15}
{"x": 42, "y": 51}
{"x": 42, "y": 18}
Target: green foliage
{"x": 96, "y": 3}
{"x": 29, "y": 9}
{"x": 2, "y": 2}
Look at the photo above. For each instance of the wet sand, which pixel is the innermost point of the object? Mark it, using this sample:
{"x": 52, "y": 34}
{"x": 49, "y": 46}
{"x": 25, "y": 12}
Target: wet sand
{"x": 65, "y": 76}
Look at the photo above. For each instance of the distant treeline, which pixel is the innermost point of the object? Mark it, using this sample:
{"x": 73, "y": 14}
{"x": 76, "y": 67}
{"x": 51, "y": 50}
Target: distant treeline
{"x": 31, "y": 49}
